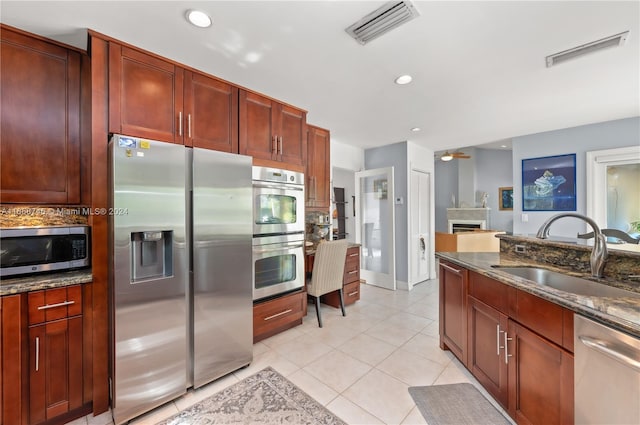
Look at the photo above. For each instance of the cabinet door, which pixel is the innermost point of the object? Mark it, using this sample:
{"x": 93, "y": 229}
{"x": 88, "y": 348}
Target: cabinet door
{"x": 40, "y": 121}
{"x": 257, "y": 132}
{"x": 145, "y": 95}
{"x": 211, "y": 113}
{"x": 453, "y": 309}
{"x": 55, "y": 365}
{"x": 486, "y": 328}
{"x": 292, "y": 135}
{"x": 318, "y": 159}
{"x": 540, "y": 379}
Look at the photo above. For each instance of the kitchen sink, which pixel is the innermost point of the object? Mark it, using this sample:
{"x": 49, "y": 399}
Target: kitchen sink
{"x": 574, "y": 285}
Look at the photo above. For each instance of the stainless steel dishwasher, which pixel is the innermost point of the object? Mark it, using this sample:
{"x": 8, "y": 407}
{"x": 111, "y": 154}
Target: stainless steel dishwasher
{"x": 607, "y": 374}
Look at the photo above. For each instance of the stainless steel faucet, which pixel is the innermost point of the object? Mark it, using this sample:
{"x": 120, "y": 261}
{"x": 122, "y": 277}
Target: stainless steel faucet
{"x": 598, "y": 253}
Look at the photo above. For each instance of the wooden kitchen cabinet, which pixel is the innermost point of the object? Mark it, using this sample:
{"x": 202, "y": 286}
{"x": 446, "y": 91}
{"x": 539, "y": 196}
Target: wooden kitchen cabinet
{"x": 145, "y": 95}
{"x": 453, "y": 309}
{"x": 40, "y": 121}
{"x": 271, "y": 131}
{"x": 14, "y": 380}
{"x": 278, "y": 314}
{"x": 350, "y": 281}
{"x": 318, "y": 196}
{"x": 211, "y": 113}
{"x": 55, "y": 353}
{"x": 156, "y": 99}
{"x": 540, "y": 379}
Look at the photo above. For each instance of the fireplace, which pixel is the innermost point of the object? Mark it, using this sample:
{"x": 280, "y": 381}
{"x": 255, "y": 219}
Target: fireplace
{"x": 458, "y": 226}
{"x": 467, "y": 219}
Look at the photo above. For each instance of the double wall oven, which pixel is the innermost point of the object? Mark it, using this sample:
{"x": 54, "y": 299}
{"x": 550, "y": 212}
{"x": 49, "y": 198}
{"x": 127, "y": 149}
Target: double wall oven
{"x": 278, "y": 231}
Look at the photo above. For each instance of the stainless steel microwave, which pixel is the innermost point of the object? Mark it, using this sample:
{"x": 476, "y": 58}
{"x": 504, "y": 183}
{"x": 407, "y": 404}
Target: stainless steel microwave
{"x": 43, "y": 249}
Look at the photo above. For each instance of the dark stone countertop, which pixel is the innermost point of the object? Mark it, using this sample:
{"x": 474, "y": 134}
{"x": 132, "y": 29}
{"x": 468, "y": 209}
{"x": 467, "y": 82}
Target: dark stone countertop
{"x": 620, "y": 313}
{"x": 312, "y": 251}
{"x": 20, "y": 285}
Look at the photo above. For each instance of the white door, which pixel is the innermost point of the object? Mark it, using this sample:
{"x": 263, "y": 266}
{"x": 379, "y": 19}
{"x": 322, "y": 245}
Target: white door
{"x": 375, "y": 226}
{"x": 420, "y": 218}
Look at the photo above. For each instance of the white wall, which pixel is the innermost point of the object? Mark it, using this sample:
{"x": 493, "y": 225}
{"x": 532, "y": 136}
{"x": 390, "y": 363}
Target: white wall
{"x": 494, "y": 169}
{"x": 346, "y": 156}
{"x": 578, "y": 140}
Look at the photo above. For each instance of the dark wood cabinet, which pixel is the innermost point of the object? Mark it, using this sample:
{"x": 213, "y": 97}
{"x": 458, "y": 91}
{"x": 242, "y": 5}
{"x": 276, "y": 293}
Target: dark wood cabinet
{"x": 211, "y": 113}
{"x": 453, "y": 309}
{"x": 318, "y": 196}
{"x": 145, "y": 95}
{"x": 14, "y": 380}
{"x": 486, "y": 348}
{"x": 156, "y": 99}
{"x": 517, "y": 346}
{"x": 350, "y": 281}
{"x": 40, "y": 121}
{"x": 278, "y": 314}
{"x": 271, "y": 131}
{"x": 540, "y": 379}
{"x": 55, "y": 353}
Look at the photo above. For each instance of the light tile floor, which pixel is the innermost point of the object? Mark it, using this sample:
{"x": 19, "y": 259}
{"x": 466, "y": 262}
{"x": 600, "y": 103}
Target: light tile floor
{"x": 359, "y": 366}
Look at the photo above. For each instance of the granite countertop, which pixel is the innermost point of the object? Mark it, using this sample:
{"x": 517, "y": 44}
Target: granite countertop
{"x": 312, "y": 251}
{"x": 620, "y": 313}
{"x": 19, "y": 285}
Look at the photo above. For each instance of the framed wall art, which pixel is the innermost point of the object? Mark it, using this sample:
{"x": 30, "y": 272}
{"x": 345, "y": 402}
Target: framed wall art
{"x": 549, "y": 183}
{"x": 505, "y": 198}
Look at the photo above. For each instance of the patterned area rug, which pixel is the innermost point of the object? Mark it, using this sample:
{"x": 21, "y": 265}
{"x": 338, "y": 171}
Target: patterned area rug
{"x": 264, "y": 398}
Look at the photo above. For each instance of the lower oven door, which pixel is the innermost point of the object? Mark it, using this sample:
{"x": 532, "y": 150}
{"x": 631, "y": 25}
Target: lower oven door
{"x": 278, "y": 264}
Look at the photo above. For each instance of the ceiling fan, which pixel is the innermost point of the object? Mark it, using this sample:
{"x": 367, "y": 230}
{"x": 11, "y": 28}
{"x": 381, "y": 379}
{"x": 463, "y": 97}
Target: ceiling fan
{"x": 449, "y": 156}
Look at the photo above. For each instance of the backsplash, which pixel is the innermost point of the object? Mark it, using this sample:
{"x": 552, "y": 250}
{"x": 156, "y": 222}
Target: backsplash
{"x": 36, "y": 215}
{"x": 620, "y": 265}
{"x": 316, "y": 223}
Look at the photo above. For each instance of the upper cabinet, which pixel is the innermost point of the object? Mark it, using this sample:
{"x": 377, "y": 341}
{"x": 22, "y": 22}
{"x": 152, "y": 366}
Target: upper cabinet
{"x": 270, "y": 130}
{"x": 40, "y": 121}
{"x": 317, "y": 188}
{"x": 145, "y": 95}
{"x": 156, "y": 99}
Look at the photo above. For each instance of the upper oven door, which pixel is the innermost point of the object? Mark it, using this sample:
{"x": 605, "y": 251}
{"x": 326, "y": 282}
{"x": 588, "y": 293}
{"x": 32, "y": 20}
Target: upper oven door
{"x": 277, "y": 208}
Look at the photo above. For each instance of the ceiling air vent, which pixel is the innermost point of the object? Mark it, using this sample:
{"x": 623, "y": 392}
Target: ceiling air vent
{"x": 612, "y": 41}
{"x": 382, "y": 20}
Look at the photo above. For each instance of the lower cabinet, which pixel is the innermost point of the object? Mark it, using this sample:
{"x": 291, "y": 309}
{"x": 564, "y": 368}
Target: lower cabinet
{"x": 278, "y": 314}
{"x": 515, "y": 344}
{"x": 42, "y": 357}
{"x": 350, "y": 281}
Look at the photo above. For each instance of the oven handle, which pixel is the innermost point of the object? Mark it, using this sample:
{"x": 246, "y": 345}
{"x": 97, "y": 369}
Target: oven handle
{"x": 278, "y": 186}
{"x": 280, "y": 247}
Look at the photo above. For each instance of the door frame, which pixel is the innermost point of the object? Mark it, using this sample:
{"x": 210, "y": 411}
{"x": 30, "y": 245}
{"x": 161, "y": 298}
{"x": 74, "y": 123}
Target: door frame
{"x": 387, "y": 281}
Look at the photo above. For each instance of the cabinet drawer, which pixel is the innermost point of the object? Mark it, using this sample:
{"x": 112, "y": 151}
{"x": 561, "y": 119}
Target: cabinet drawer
{"x": 277, "y": 313}
{"x": 541, "y": 316}
{"x": 351, "y": 292}
{"x": 489, "y": 291}
{"x": 352, "y": 266}
{"x": 54, "y": 304}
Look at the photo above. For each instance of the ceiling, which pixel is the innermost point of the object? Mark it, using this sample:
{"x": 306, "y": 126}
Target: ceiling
{"x": 479, "y": 74}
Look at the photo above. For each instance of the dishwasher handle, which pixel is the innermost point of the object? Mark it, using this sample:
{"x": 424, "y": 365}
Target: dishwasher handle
{"x": 615, "y": 352}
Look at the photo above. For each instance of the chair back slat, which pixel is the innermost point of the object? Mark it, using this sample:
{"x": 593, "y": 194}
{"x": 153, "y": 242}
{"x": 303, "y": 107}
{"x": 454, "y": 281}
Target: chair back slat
{"x": 328, "y": 267}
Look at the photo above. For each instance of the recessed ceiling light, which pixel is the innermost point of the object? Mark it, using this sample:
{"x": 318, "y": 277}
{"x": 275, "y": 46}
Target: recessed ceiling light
{"x": 198, "y": 18}
{"x": 415, "y": 129}
{"x": 404, "y": 79}
{"x": 503, "y": 146}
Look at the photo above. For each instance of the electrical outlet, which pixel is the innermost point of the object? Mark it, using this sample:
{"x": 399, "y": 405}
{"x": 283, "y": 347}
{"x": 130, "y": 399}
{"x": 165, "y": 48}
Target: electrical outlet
{"x": 521, "y": 249}
{"x": 525, "y": 218}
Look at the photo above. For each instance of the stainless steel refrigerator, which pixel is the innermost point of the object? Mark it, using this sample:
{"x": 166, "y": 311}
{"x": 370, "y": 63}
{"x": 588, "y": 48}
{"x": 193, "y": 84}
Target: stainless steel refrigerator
{"x": 181, "y": 280}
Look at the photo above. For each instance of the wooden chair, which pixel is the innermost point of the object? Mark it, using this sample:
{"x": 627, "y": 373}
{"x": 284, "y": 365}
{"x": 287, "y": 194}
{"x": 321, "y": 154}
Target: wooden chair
{"x": 328, "y": 272}
{"x": 614, "y": 233}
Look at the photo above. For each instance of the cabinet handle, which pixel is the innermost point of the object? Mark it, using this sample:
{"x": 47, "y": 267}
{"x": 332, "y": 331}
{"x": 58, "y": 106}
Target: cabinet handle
{"x": 180, "y": 123}
{"x": 353, "y": 272}
{"x": 277, "y": 315}
{"x": 274, "y": 144}
{"x": 506, "y": 348}
{"x": 456, "y": 271}
{"x": 37, "y": 353}
{"x": 62, "y": 304}
{"x": 189, "y": 125}
{"x": 498, "y": 346}
{"x": 280, "y": 145}
{"x": 351, "y": 294}
{"x": 353, "y": 255}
